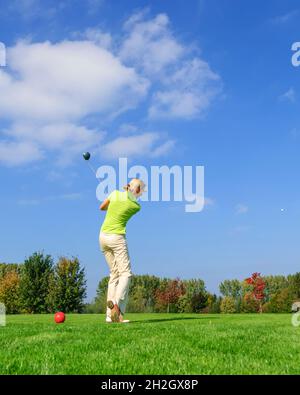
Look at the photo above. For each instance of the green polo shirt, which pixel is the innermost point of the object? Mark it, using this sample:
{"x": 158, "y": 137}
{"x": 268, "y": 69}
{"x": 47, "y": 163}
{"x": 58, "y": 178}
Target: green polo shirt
{"x": 122, "y": 206}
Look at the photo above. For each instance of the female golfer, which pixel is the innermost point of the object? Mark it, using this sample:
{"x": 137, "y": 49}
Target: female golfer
{"x": 120, "y": 206}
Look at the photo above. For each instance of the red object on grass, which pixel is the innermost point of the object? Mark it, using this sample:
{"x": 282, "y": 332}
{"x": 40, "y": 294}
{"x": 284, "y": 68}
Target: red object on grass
{"x": 59, "y": 317}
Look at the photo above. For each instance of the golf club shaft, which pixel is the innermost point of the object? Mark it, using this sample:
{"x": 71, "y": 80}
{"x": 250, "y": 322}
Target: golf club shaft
{"x": 91, "y": 167}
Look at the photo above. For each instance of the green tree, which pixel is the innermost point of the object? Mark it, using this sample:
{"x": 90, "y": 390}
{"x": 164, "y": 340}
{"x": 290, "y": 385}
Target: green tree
{"x": 10, "y": 291}
{"x": 199, "y": 301}
{"x": 145, "y": 286}
{"x": 101, "y": 296}
{"x": 149, "y": 285}
{"x": 184, "y": 304}
{"x": 228, "y": 305}
{"x": 231, "y": 288}
{"x": 141, "y": 294}
{"x": 8, "y": 267}
{"x": 250, "y": 304}
{"x": 234, "y": 289}
{"x": 91, "y": 308}
{"x": 281, "y": 302}
{"x": 294, "y": 284}
{"x": 70, "y": 286}
{"x": 216, "y": 306}
{"x": 213, "y": 304}
{"x": 137, "y": 301}
{"x": 34, "y": 286}
{"x": 51, "y": 297}
{"x": 196, "y": 295}
{"x": 194, "y": 286}
{"x": 274, "y": 284}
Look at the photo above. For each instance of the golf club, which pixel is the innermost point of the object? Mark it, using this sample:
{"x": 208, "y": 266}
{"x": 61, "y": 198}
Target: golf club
{"x": 86, "y": 157}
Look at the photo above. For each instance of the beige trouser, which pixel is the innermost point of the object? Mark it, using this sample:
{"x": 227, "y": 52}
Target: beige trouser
{"x": 114, "y": 248}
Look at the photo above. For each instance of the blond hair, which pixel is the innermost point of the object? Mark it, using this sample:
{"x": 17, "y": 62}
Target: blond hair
{"x": 134, "y": 184}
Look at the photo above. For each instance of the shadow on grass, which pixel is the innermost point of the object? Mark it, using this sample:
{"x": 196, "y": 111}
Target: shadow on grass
{"x": 172, "y": 319}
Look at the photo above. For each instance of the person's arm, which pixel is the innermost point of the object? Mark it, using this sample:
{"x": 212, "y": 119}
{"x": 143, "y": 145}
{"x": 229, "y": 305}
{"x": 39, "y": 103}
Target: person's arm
{"x": 104, "y": 205}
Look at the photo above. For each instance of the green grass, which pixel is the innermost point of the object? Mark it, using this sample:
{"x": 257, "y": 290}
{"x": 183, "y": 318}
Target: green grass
{"x": 151, "y": 344}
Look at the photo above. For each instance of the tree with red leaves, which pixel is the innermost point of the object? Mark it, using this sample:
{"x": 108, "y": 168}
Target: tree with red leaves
{"x": 170, "y": 293}
{"x": 258, "y": 286}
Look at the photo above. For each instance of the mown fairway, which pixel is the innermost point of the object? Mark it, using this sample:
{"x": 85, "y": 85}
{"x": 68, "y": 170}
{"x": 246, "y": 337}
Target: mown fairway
{"x": 151, "y": 344}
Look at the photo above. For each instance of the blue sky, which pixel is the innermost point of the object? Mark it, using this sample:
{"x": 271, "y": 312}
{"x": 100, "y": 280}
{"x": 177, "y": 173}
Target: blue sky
{"x": 210, "y": 84}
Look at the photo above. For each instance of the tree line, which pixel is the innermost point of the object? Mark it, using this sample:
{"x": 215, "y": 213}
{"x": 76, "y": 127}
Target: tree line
{"x": 40, "y": 285}
{"x": 262, "y": 294}
{"x": 256, "y": 294}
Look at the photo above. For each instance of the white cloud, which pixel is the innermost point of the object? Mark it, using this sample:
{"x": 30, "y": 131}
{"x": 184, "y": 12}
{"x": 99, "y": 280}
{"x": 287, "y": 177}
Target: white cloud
{"x": 241, "y": 209}
{"x": 50, "y": 90}
{"x": 137, "y": 145}
{"x": 189, "y": 91}
{"x": 289, "y": 95}
{"x": 14, "y": 153}
{"x": 127, "y": 128}
{"x": 284, "y": 18}
{"x": 97, "y": 36}
{"x": 177, "y": 104}
{"x": 66, "y": 139}
{"x": 187, "y": 83}
{"x": 67, "y": 80}
{"x": 54, "y": 136}
{"x": 163, "y": 149}
{"x": 146, "y": 144}
{"x": 208, "y": 202}
{"x": 130, "y": 143}
{"x": 150, "y": 44}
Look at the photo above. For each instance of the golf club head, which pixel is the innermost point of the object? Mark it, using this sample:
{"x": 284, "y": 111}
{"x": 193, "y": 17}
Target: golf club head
{"x": 86, "y": 155}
